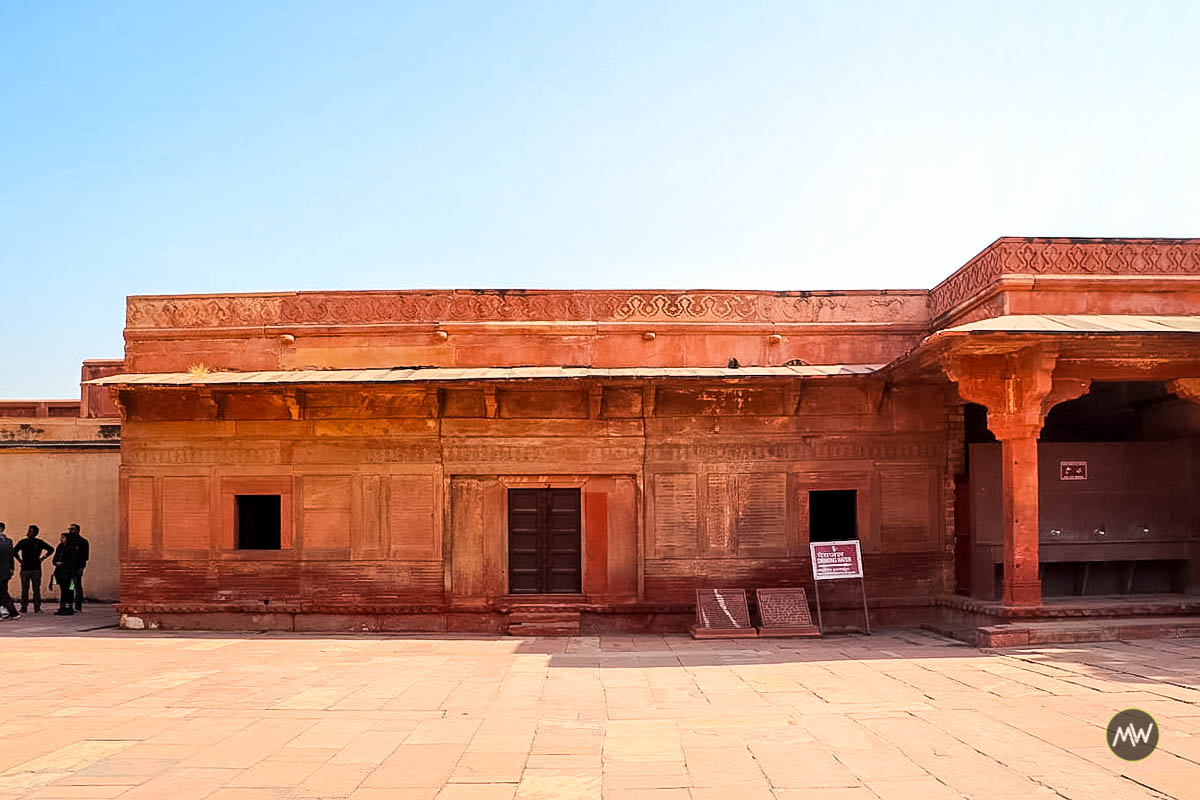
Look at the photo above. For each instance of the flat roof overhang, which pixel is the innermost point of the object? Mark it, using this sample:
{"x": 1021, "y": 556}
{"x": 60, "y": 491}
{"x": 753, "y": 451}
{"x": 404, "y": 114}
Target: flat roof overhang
{"x": 406, "y": 375}
{"x": 1094, "y": 346}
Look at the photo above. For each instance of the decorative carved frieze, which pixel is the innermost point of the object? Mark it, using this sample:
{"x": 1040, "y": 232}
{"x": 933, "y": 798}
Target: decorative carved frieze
{"x": 822, "y": 448}
{"x": 339, "y": 308}
{"x": 540, "y": 451}
{"x": 203, "y": 312}
{"x": 1081, "y": 257}
{"x": 140, "y": 454}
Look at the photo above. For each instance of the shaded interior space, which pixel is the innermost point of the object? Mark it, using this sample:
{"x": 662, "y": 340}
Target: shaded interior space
{"x": 1116, "y": 511}
{"x": 832, "y": 515}
{"x": 258, "y": 521}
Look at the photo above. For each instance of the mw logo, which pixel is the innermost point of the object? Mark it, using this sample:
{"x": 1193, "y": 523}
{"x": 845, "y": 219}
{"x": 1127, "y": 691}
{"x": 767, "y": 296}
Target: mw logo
{"x": 1132, "y": 734}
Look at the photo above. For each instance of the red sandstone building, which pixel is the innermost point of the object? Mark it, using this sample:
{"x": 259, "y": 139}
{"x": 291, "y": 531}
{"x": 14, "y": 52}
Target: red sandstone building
{"x": 556, "y": 460}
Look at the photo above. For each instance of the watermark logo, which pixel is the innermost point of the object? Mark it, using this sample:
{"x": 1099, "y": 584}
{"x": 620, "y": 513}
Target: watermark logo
{"x": 1132, "y": 734}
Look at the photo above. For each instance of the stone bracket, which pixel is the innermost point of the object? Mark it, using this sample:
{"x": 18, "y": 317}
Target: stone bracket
{"x": 208, "y": 403}
{"x": 291, "y": 400}
{"x": 1186, "y": 388}
{"x": 1013, "y": 386}
{"x": 489, "y": 401}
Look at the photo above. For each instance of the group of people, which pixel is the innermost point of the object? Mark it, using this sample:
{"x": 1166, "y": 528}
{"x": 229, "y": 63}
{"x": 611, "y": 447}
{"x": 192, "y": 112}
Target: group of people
{"x": 69, "y": 560}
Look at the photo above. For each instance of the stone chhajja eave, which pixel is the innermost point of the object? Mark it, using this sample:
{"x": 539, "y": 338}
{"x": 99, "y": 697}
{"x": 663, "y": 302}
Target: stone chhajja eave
{"x": 466, "y": 375}
{"x": 1153, "y": 353}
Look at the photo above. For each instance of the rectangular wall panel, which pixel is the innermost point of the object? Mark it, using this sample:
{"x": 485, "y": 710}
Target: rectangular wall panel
{"x": 141, "y": 513}
{"x": 905, "y": 499}
{"x": 762, "y": 513}
{"x": 675, "y": 514}
{"x": 327, "y": 511}
{"x": 368, "y": 539}
{"x": 718, "y": 512}
{"x": 411, "y": 527}
{"x": 186, "y": 524}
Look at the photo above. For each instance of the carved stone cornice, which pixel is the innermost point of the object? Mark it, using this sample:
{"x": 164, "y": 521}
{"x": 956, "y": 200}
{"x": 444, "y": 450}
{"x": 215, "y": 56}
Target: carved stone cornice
{"x": 1077, "y": 257}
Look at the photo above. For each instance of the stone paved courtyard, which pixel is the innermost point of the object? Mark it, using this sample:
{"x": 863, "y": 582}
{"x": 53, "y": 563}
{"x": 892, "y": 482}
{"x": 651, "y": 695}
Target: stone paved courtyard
{"x": 93, "y": 712}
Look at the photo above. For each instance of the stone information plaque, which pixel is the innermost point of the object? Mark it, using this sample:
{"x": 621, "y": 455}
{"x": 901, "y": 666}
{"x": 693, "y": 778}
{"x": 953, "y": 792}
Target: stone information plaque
{"x": 722, "y": 614}
{"x": 784, "y": 612}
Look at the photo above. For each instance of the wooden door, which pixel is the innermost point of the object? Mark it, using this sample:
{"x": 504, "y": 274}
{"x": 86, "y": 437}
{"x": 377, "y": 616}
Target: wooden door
{"x": 544, "y": 541}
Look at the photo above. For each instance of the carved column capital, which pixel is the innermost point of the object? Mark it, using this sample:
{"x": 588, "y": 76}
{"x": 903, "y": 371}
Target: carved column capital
{"x": 1013, "y": 386}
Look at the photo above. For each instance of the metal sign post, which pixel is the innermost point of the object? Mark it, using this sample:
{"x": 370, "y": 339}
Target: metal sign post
{"x": 833, "y": 561}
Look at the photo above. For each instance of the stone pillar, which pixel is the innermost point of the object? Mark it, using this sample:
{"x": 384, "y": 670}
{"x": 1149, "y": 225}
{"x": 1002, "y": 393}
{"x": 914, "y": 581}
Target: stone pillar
{"x": 1019, "y": 389}
{"x": 1019, "y": 486}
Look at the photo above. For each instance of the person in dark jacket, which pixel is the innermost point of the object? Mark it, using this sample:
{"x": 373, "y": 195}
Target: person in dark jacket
{"x": 81, "y": 552}
{"x": 31, "y": 552}
{"x": 64, "y": 575}
{"x": 6, "y": 572}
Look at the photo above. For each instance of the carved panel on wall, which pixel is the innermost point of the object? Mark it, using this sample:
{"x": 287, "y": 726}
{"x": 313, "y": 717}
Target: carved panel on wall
{"x": 906, "y": 500}
{"x": 368, "y": 538}
{"x": 719, "y": 501}
{"x": 746, "y": 513}
{"x": 411, "y": 527}
{"x": 186, "y": 524}
{"x": 675, "y": 513}
{"x": 327, "y": 501}
{"x": 762, "y": 513}
{"x": 141, "y": 513}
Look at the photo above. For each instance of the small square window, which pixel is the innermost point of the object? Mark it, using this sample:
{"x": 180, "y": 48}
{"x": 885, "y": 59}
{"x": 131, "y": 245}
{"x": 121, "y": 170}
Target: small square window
{"x": 832, "y": 515}
{"x": 258, "y": 521}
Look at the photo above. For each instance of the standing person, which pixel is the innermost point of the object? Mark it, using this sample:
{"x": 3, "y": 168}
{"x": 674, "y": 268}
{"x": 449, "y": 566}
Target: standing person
{"x": 62, "y": 576}
{"x": 6, "y": 571}
{"x": 31, "y": 552}
{"x": 82, "y": 551}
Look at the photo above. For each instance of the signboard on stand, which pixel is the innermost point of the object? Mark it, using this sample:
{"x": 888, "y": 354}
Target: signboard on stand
{"x": 833, "y": 561}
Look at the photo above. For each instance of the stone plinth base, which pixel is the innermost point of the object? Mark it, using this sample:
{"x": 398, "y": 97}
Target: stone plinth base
{"x": 722, "y": 633}
{"x": 806, "y": 631}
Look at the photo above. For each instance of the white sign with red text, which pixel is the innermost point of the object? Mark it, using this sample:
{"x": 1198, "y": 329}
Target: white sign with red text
{"x": 834, "y": 560}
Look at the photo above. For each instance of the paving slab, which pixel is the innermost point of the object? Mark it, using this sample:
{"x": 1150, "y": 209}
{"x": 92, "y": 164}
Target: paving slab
{"x": 902, "y": 714}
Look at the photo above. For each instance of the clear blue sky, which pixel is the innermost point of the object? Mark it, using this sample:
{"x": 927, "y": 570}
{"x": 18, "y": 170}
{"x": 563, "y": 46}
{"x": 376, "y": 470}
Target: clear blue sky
{"x": 167, "y": 147}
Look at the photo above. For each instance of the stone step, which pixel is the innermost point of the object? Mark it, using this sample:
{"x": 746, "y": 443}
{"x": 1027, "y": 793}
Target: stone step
{"x": 543, "y": 623}
{"x": 1087, "y": 630}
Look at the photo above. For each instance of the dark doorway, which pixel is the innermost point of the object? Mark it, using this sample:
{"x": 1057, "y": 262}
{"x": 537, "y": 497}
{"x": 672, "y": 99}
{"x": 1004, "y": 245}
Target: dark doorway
{"x": 257, "y": 521}
{"x": 543, "y": 541}
{"x": 832, "y": 515}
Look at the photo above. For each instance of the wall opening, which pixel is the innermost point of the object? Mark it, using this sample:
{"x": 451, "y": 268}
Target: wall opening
{"x": 258, "y": 521}
{"x": 832, "y": 515}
